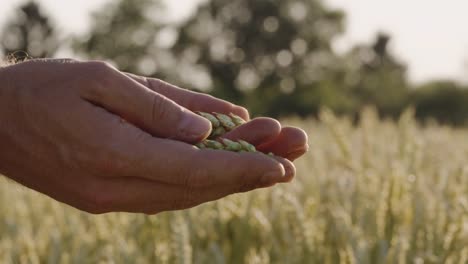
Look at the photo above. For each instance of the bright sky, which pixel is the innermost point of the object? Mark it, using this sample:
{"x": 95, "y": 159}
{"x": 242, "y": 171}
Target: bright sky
{"x": 430, "y": 35}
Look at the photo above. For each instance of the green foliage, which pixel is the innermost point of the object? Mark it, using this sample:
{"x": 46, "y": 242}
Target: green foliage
{"x": 29, "y": 33}
{"x": 276, "y": 59}
{"x": 445, "y": 101}
{"x": 271, "y": 56}
{"x": 378, "y": 192}
{"x": 373, "y": 76}
{"x": 125, "y": 33}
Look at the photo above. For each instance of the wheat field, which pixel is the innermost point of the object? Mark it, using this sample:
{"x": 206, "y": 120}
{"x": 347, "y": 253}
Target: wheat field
{"x": 377, "y": 191}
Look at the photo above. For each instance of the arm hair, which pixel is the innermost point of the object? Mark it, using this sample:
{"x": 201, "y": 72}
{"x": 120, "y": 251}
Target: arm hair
{"x": 9, "y": 60}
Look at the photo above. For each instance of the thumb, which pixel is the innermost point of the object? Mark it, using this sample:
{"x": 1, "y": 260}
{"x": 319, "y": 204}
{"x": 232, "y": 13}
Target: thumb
{"x": 170, "y": 120}
{"x": 146, "y": 109}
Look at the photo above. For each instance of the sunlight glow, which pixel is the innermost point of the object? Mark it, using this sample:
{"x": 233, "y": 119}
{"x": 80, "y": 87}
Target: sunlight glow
{"x": 430, "y": 35}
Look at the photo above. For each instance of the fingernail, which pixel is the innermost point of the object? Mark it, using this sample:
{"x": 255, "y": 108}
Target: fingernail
{"x": 194, "y": 127}
{"x": 289, "y": 168}
{"x": 293, "y": 155}
{"x": 273, "y": 176}
{"x": 299, "y": 149}
{"x": 290, "y": 173}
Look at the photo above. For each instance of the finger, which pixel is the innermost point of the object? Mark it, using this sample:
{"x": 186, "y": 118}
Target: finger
{"x": 127, "y": 151}
{"x": 191, "y": 100}
{"x": 184, "y": 165}
{"x": 299, "y": 153}
{"x": 143, "y": 196}
{"x": 261, "y": 130}
{"x": 124, "y": 150}
{"x": 290, "y": 169}
{"x": 256, "y": 131}
{"x": 291, "y": 143}
{"x": 145, "y": 108}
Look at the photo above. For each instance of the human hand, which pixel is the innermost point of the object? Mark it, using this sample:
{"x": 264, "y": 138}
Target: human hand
{"x": 92, "y": 137}
{"x": 266, "y": 134}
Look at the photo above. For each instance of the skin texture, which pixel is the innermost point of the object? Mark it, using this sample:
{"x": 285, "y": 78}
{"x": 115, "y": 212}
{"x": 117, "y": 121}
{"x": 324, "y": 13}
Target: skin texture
{"x": 103, "y": 141}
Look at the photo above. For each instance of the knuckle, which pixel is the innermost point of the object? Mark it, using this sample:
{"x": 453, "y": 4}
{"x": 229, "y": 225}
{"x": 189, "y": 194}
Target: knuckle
{"x": 97, "y": 70}
{"x": 145, "y": 81}
{"x": 99, "y": 67}
{"x": 156, "y": 85}
{"x": 99, "y": 74}
{"x": 159, "y": 109}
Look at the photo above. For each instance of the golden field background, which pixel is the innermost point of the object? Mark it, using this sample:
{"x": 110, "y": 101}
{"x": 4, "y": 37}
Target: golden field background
{"x": 378, "y": 191}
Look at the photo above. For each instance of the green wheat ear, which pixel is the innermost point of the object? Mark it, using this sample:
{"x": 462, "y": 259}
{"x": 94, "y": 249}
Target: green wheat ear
{"x": 222, "y": 124}
{"x": 226, "y": 144}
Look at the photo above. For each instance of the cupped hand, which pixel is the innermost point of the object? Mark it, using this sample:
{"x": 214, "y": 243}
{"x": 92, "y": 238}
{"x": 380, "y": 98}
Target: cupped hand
{"x": 97, "y": 139}
{"x": 266, "y": 134}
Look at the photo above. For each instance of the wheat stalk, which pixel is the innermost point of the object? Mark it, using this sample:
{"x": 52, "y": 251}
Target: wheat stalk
{"x": 335, "y": 215}
{"x": 222, "y": 124}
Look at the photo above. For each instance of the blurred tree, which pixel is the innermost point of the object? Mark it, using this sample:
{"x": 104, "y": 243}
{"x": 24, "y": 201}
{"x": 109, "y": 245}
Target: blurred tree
{"x": 29, "y": 33}
{"x": 445, "y": 100}
{"x": 275, "y": 57}
{"x": 127, "y": 33}
{"x": 373, "y": 76}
